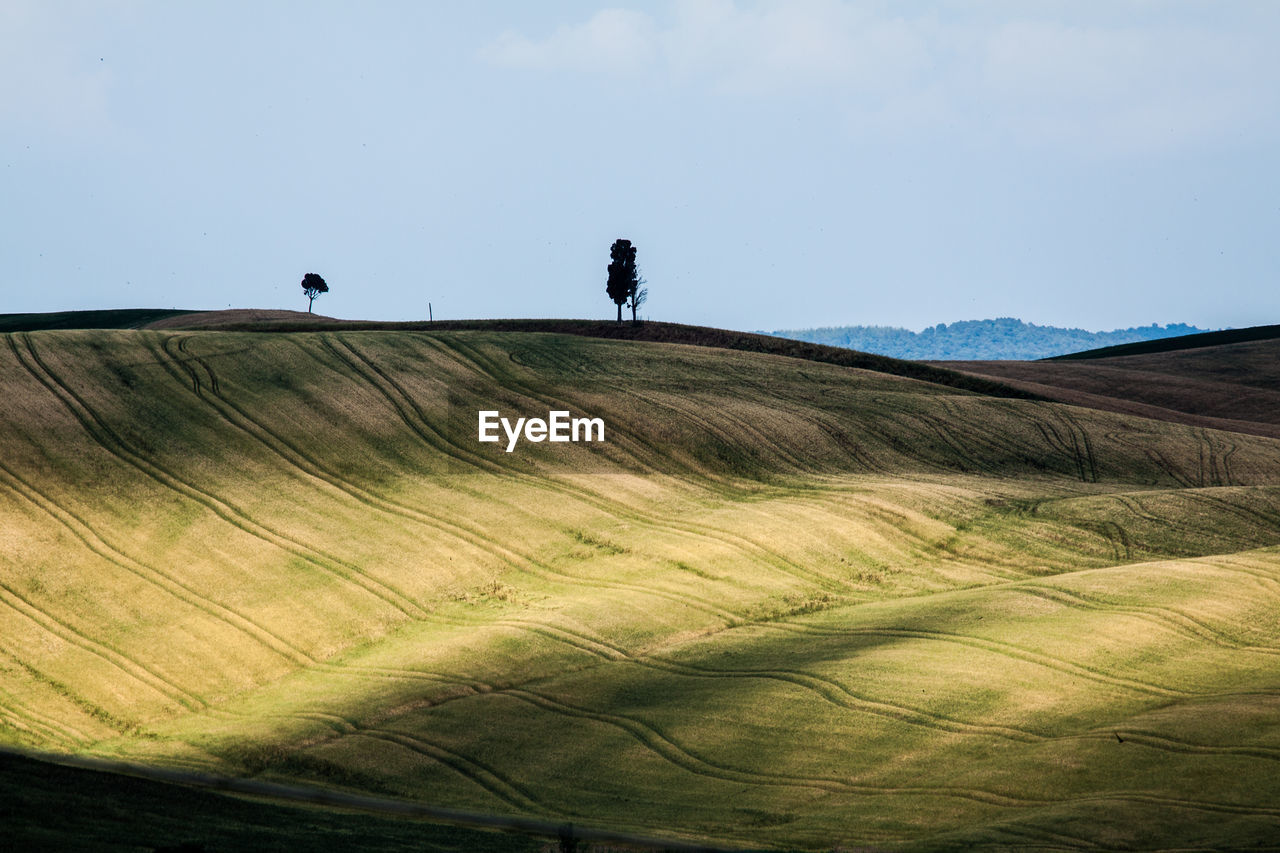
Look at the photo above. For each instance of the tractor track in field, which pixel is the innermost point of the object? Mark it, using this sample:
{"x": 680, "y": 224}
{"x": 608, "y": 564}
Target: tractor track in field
{"x": 17, "y": 718}
{"x": 609, "y": 652}
{"x": 1133, "y": 506}
{"x": 884, "y": 431}
{"x": 489, "y": 370}
{"x": 696, "y": 415}
{"x": 841, "y": 696}
{"x": 240, "y": 419}
{"x": 488, "y": 778}
{"x": 960, "y": 458}
{"x": 313, "y": 797}
{"x": 1063, "y": 433}
{"x": 94, "y": 542}
{"x": 833, "y": 427}
{"x": 386, "y": 673}
{"x": 460, "y": 452}
{"x": 1190, "y": 803}
{"x": 491, "y": 780}
{"x": 1258, "y": 517}
{"x": 1208, "y": 458}
{"x": 993, "y": 646}
{"x": 1081, "y": 445}
{"x": 57, "y": 730}
{"x": 1167, "y": 743}
{"x": 1046, "y": 839}
{"x": 1264, "y": 581}
{"x": 1188, "y": 626}
{"x": 1069, "y": 439}
{"x": 742, "y": 544}
{"x": 102, "y": 433}
{"x": 1181, "y": 623}
{"x": 1215, "y": 463}
{"x": 64, "y": 693}
{"x": 1069, "y": 446}
{"x": 306, "y": 466}
{"x": 1158, "y": 459}
{"x": 1120, "y": 541}
{"x": 636, "y": 446}
{"x": 514, "y": 559}
{"x": 134, "y": 669}
{"x": 398, "y": 808}
{"x": 1232, "y": 448}
{"x": 827, "y": 689}
{"x": 1268, "y": 520}
{"x": 204, "y": 365}
{"x": 1133, "y": 503}
{"x": 400, "y": 401}
{"x": 1270, "y": 580}
{"x": 681, "y": 756}
{"x": 915, "y": 544}
{"x": 970, "y": 435}
{"x": 470, "y": 357}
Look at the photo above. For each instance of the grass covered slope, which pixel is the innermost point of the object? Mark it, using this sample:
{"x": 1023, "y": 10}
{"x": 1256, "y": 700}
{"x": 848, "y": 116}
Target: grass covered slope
{"x": 250, "y": 320}
{"x": 786, "y": 603}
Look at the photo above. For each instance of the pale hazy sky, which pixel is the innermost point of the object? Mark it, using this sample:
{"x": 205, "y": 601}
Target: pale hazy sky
{"x": 777, "y": 164}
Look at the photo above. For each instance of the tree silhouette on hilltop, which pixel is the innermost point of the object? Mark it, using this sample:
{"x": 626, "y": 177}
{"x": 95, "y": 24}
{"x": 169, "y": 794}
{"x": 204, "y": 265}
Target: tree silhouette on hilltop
{"x": 624, "y": 278}
{"x": 313, "y": 285}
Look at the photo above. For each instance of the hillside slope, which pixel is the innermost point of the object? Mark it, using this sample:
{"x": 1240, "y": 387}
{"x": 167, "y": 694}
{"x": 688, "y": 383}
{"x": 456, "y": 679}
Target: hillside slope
{"x": 784, "y": 603}
{"x": 1196, "y": 340}
{"x": 124, "y": 318}
{"x": 241, "y": 320}
{"x": 1234, "y": 386}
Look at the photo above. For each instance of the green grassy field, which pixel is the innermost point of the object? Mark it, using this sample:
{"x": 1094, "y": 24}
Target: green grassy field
{"x": 786, "y": 604}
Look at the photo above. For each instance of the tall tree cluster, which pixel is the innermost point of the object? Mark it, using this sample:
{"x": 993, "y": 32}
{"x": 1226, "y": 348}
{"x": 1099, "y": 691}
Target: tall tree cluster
{"x": 624, "y": 284}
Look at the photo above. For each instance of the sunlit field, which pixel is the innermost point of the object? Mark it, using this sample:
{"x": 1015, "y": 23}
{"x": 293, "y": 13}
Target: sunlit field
{"x": 784, "y": 604}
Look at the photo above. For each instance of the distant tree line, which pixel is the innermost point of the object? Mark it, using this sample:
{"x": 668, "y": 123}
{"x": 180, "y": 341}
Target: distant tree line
{"x": 1003, "y": 338}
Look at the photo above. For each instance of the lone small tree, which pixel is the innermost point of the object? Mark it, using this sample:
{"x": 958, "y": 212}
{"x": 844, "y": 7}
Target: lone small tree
{"x": 313, "y": 285}
{"x": 639, "y": 293}
{"x": 623, "y": 276}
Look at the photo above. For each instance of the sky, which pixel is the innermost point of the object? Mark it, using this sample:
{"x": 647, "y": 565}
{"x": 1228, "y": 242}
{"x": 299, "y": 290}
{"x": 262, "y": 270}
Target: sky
{"x": 1088, "y": 163}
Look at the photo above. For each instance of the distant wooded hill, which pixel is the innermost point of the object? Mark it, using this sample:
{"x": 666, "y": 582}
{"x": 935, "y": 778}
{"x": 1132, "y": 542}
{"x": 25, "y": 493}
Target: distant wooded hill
{"x": 1002, "y": 338}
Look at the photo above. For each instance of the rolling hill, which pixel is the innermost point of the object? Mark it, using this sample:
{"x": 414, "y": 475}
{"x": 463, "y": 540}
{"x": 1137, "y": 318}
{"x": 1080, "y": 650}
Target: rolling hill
{"x": 787, "y": 603}
{"x": 1228, "y": 380}
{"x": 1179, "y": 342}
{"x": 126, "y": 318}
